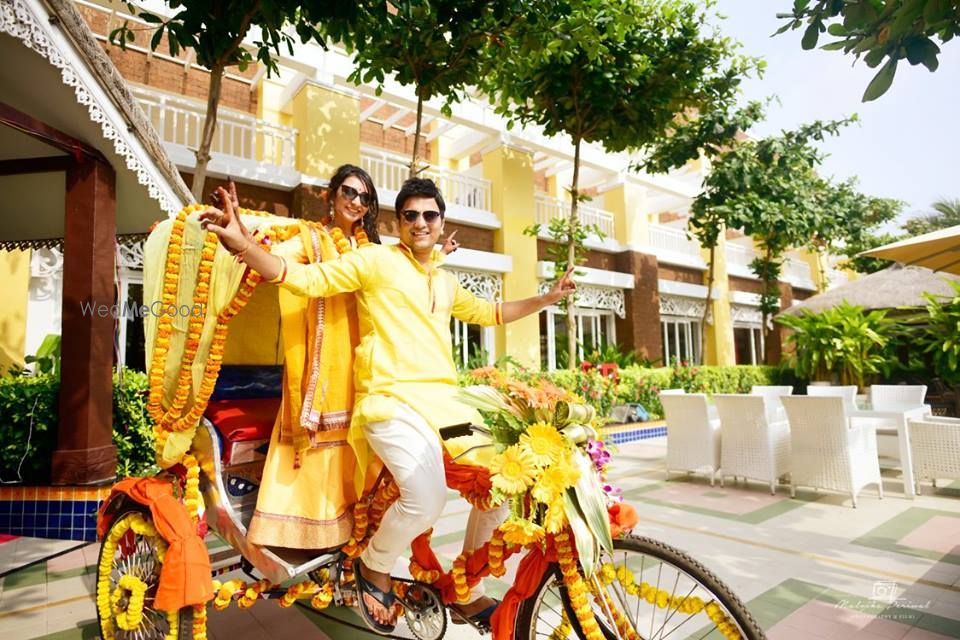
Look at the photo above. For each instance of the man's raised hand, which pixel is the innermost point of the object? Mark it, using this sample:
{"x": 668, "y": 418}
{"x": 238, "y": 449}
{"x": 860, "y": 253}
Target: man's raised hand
{"x": 563, "y": 287}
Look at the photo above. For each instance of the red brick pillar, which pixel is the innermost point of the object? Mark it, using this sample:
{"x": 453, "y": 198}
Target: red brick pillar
{"x": 85, "y": 453}
{"x": 640, "y": 328}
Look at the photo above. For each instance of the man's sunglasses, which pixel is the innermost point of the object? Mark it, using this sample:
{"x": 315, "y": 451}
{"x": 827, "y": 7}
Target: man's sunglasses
{"x": 428, "y": 216}
{"x": 351, "y": 194}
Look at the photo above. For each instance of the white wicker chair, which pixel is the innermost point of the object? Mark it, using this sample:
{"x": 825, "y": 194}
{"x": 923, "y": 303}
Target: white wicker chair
{"x": 935, "y": 444}
{"x": 849, "y": 394}
{"x": 673, "y": 392}
{"x": 753, "y": 447}
{"x": 771, "y": 397}
{"x": 827, "y": 449}
{"x": 693, "y": 438}
{"x": 894, "y": 397}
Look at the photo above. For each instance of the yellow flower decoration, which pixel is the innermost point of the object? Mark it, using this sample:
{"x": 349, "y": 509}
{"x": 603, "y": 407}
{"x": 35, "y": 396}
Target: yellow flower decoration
{"x": 513, "y": 470}
{"x": 544, "y": 443}
{"x": 554, "y": 481}
{"x": 522, "y": 532}
{"x": 556, "y": 518}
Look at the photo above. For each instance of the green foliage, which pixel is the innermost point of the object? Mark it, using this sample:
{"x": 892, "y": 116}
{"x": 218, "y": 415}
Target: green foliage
{"x": 844, "y": 341}
{"x": 946, "y": 214}
{"x": 29, "y": 407}
{"x": 132, "y": 425}
{"x": 615, "y": 354}
{"x": 941, "y": 336}
{"x": 878, "y": 30}
{"x": 47, "y": 358}
{"x": 613, "y": 72}
{"x": 770, "y": 190}
{"x": 438, "y": 46}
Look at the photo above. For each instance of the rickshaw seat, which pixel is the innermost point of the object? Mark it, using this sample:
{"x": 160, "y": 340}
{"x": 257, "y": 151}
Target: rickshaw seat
{"x": 243, "y": 409}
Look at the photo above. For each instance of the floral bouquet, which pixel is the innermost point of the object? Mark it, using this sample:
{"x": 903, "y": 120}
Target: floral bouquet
{"x": 549, "y": 464}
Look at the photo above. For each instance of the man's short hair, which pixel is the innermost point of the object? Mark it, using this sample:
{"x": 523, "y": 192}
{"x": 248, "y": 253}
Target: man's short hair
{"x": 419, "y": 188}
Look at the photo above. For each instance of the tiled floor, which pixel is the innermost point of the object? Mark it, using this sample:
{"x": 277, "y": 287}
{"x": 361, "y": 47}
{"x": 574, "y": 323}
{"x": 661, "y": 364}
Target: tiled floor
{"x": 811, "y": 568}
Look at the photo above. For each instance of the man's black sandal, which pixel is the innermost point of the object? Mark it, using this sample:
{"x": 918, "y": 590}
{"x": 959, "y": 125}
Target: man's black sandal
{"x": 479, "y": 620}
{"x": 386, "y": 599}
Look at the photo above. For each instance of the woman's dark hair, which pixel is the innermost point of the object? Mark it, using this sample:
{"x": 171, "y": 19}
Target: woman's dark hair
{"x": 419, "y": 188}
{"x": 372, "y": 216}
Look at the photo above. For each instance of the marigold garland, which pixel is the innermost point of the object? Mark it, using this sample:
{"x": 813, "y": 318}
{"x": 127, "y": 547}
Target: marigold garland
{"x": 459, "y": 575}
{"x": 576, "y": 588}
{"x": 107, "y": 600}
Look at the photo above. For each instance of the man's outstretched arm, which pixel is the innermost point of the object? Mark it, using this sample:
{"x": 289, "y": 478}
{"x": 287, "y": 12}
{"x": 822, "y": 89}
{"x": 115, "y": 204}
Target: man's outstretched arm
{"x": 516, "y": 309}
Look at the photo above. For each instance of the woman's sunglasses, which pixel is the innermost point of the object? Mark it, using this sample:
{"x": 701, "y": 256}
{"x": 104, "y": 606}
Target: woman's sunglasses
{"x": 428, "y": 216}
{"x": 351, "y": 194}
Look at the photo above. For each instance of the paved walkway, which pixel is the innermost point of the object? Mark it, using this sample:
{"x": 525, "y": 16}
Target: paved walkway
{"x": 811, "y": 568}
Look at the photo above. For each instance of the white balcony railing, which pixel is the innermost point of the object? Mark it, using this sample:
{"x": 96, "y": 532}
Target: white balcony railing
{"x": 799, "y": 270}
{"x": 180, "y": 121}
{"x": 548, "y": 208}
{"x": 389, "y": 171}
{"x": 740, "y": 255}
{"x": 673, "y": 239}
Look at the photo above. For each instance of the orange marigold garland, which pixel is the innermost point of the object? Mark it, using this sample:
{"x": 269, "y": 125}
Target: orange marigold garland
{"x": 576, "y": 587}
{"x": 459, "y": 575}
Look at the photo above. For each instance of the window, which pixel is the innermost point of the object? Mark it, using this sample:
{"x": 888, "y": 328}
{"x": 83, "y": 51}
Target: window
{"x": 748, "y": 344}
{"x": 595, "y": 328}
{"x": 130, "y": 339}
{"x": 681, "y": 340}
{"x": 472, "y": 345}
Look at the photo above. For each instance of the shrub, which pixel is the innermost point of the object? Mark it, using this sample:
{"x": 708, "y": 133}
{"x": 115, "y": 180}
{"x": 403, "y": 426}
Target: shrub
{"x": 29, "y": 408}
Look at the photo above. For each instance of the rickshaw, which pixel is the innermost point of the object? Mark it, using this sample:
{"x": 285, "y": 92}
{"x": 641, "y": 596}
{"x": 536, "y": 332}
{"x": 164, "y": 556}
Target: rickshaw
{"x": 156, "y": 577}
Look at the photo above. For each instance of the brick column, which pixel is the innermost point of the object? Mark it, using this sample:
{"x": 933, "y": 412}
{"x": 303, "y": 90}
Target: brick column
{"x": 640, "y": 329}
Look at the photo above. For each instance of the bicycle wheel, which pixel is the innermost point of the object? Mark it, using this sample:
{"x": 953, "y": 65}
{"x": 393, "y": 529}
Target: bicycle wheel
{"x": 128, "y": 573}
{"x": 644, "y": 590}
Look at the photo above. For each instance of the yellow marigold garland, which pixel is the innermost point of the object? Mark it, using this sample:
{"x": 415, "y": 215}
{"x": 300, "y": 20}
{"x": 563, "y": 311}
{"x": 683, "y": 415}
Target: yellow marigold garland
{"x": 459, "y": 575}
{"x": 106, "y": 604}
{"x": 134, "y": 589}
{"x": 563, "y": 630}
{"x": 689, "y": 605}
{"x": 495, "y": 554}
{"x": 576, "y": 588}
{"x": 200, "y": 622}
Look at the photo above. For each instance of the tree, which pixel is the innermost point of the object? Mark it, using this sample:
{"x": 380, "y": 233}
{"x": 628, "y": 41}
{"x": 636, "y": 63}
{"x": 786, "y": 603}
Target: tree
{"x": 216, "y": 29}
{"x": 946, "y": 214}
{"x": 768, "y": 189}
{"x": 613, "y": 72}
{"x": 879, "y": 30}
{"x": 708, "y": 135}
{"x": 847, "y": 223}
{"x": 436, "y": 46}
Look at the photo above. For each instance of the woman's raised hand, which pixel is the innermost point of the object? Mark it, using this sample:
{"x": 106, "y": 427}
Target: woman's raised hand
{"x": 226, "y": 223}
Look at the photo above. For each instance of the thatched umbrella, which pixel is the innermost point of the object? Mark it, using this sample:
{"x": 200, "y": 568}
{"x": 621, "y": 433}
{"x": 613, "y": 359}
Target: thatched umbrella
{"x": 896, "y": 286}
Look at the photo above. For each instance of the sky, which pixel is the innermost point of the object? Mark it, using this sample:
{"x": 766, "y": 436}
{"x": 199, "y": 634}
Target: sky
{"x": 907, "y": 143}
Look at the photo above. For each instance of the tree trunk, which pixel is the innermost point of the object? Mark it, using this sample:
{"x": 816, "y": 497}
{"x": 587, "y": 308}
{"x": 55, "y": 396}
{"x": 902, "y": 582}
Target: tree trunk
{"x": 574, "y": 223}
{"x": 706, "y": 307}
{"x": 765, "y": 316}
{"x": 209, "y": 128}
{"x": 416, "y": 139}
{"x": 821, "y": 267}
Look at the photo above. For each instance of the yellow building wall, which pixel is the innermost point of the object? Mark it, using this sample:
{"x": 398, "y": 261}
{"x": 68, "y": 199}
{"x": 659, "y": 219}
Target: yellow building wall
{"x": 630, "y": 222}
{"x": 14, "y": 291}
{"x": 718, "y": 337}
{"x": 329, "y": 124}
{"x": 510, "y": 172}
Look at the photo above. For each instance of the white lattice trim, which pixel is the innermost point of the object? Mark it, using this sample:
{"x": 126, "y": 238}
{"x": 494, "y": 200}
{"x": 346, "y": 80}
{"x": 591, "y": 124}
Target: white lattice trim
{"x": 46, "y": 262}
{"x": 746, "y": 314}
{"x": 681, "y": 306}
{"x": 130, "y": 256}
{"x": 488, "y": 286}
{"x": 22, "y": 19}
{"x": 590, "y": 296}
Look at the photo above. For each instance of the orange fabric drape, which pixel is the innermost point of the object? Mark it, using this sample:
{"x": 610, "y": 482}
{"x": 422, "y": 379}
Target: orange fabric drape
{"x": 185, "y": 577}
{"x": 471, "y": 481}
{"x": 529, "y": 574}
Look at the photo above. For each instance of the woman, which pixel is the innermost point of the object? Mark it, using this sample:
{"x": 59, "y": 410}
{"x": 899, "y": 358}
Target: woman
{"x": 298, "y": 506}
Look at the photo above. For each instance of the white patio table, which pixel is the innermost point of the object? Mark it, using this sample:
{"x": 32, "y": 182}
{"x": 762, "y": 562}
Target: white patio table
{"x": 900, "y": 419}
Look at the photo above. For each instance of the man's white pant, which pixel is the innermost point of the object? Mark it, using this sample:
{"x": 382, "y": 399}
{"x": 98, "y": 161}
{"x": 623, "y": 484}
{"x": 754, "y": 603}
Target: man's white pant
{"x": 411, "y": 451}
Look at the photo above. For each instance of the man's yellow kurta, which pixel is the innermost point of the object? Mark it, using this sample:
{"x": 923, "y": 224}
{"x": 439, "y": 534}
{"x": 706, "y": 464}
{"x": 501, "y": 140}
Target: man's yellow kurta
{"x": 405, "y": 354}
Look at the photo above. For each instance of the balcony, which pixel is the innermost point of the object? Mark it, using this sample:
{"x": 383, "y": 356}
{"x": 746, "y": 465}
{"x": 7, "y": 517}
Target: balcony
{"x": 467, "y": 197}
{"x": 739, "y": 257}
{"x": 797, "y": 272}
{"x": 672, "y": 246}
{"x": 548, "y": 208}
{"x": 242, "y": 144}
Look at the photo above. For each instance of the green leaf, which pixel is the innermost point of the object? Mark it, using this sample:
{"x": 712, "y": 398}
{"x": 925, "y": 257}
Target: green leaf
{"x": 155, "y": 40}
{"x": 587, "y": 549}
{"x": 591, "y": 500}
{"x": 810, "y": 36}
{"x": 881, "y": 82}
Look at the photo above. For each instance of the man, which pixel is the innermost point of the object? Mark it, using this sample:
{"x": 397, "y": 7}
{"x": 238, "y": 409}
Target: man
{"x": 406, "y": 381}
